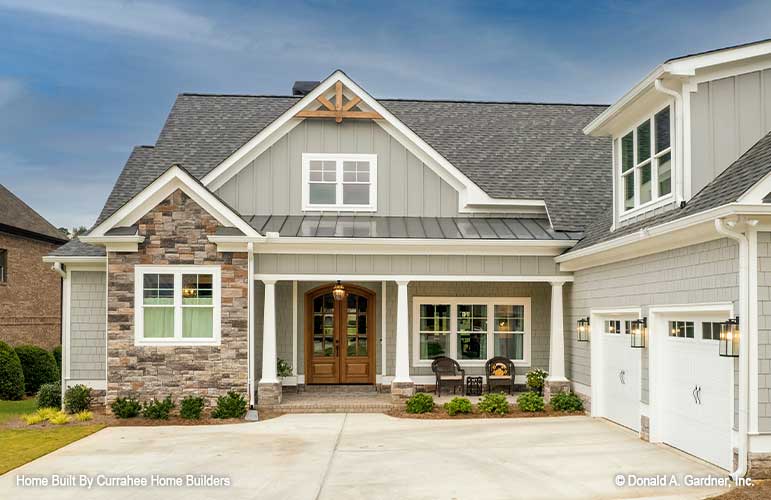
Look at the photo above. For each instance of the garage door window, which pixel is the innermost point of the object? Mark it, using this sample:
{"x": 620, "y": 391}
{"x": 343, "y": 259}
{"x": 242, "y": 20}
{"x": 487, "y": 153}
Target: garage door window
{"x": 681, "y": 329}
{"x": 612, "y": 326}
{"x": 711, "y": 330}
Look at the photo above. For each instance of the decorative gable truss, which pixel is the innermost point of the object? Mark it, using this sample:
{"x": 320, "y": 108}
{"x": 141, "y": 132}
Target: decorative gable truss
{"x": 117, "y": 233}
{"x": 339, "y": 98}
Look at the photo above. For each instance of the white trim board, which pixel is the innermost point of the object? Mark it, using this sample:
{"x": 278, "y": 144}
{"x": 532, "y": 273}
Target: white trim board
{"x": 406, "y": 277}
{"x": 167, "y": 183}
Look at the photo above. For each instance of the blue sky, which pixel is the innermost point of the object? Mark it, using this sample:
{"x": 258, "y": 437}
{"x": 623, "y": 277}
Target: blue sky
{"x": 82, "y": 82}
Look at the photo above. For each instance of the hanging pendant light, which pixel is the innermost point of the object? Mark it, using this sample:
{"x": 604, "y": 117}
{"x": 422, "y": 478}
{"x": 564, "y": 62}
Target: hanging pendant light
{"x": 338, "y": 291}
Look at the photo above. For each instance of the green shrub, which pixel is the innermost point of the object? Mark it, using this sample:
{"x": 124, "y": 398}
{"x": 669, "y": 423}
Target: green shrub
{"x": 11, "y": 374}
{"x": 50, "y": 396}
{"x": 126, "y": 407}
{"x": 535, "y": 380}
{"x": 57, "y": 352}
{"x": 39, "y": 367}
{"x": 494, "y": 402}
{"x": 191, "y": 407}
{"x": 458, "y": 405}
{"x": 77, "y": 398}
{"x": 158, "y": 410}
{"x": 60, "y": 418}
{"x": 566, "y": 401}
{"x": 84, "y": 416}
{"x": 283, "y": 368}
{"x": 530, "y": 401}
{"x": 420, "y": 403}
{"x": 232, "y": 405}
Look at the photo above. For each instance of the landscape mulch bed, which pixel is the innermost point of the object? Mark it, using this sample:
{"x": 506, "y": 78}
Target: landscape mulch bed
{"x": 441, "y": 413}
{"x": 760, "y": 489}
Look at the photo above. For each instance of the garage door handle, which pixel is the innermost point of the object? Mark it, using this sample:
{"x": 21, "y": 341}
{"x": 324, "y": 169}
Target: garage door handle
{"x": 621, "y": 375}
{"x": 696, "y": 393}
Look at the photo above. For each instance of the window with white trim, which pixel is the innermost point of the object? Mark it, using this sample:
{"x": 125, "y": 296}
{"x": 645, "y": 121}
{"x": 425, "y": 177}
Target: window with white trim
{"x": 471, "y": 329}
{"x": 340, "y": 182}
{"x": 681, "y": 329}
{"x": 177, "y": 305}
{"x": 645, "y": 159}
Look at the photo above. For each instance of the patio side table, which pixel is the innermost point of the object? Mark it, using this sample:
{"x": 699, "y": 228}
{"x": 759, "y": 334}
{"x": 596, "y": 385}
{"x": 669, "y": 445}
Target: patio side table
{"x": 474, "y": 386}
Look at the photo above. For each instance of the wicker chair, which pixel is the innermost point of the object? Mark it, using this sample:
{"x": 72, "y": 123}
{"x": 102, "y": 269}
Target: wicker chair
{"x": 499, "y": 363}
{"x": 448, "y": 373}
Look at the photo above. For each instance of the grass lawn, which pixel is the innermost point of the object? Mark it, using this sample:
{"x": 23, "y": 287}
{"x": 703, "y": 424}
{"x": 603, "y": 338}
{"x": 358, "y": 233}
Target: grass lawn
{"x": 21, "y": 445}
{"x": 12, "y": 409}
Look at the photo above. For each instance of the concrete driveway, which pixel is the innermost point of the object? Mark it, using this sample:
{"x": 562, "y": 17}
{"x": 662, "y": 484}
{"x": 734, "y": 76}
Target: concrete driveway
{"x": 367, "y": 456}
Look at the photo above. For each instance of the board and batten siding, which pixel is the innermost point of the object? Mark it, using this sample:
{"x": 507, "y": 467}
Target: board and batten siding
{"x": 88, "y": 325}
{"x": 697, "y": 274}
{"x": 272, "y": 183}
{"x": 764, "y": 332}
{"x": 458, "y": 265}
{"x": 728, "y": 116}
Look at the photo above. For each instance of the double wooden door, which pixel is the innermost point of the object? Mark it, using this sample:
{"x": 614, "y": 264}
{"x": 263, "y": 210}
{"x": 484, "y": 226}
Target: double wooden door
{"x": 340, "y": 337}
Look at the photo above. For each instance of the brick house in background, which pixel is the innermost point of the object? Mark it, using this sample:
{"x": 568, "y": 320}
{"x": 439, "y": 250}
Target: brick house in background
{"x": 30, "y": 294}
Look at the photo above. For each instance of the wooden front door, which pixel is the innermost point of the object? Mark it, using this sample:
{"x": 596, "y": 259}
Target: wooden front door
{"x": 340, "y": 337}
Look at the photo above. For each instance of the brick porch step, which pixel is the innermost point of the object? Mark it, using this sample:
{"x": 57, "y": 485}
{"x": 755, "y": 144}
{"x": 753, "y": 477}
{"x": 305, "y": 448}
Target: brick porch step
{"x": 329, "y": 402}
{"x": 339, "y": 389}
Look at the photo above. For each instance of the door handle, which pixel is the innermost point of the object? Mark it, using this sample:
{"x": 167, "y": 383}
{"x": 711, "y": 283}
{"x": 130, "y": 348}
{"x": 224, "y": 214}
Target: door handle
{"x": 696, "y": 393}
{"x": 621, "y": 376}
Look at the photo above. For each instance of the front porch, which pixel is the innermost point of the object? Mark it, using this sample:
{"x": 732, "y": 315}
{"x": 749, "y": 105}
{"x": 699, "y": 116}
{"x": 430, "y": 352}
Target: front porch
{"x": 385, "y": 342}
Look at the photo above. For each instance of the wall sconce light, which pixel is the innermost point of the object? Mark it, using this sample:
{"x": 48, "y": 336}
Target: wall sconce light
{"x": 729, "y": 338}
{"x": 639, "y": 332}
{"x": 583, "y": 330}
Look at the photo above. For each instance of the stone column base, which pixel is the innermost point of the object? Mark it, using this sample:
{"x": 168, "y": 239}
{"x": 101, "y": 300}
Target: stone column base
{"x": 645, "y": 428}
{"x": 759, "y": 466}
{"x": 553, "y": 387}
{"x": 269, "y": 393}
{"x": 401, "y": 391}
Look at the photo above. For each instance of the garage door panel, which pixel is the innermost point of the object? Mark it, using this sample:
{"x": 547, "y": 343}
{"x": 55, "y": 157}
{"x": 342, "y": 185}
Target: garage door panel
{"x": 621, "y": 381}
{"x": 695, "y": 393}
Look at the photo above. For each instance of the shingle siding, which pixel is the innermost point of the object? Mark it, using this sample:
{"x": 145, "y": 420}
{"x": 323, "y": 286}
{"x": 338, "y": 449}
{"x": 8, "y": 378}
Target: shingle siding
{"x": 88, "y": 324}
{"x": 702, "y": 273}
{"x": 764, "y": 332}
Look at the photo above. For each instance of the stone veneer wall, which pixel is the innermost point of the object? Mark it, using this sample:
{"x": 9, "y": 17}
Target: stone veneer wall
{"x": 176, "y": 232}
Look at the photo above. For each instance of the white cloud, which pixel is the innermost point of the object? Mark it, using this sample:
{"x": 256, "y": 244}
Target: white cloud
{"x": 136, "y": 17}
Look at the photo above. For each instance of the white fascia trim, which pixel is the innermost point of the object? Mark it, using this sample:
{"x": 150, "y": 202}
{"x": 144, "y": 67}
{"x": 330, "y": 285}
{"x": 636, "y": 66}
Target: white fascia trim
{"x": 172, "y": 179}
{"x": 394, "y": 246}
{"x": 111, "y": 239}
{"x": 684, "y": 67}
{"x": 74, "y": 259}
{"x": 471, "y": 194}
{"x": 668, "y": 227}
{"x": 415, "y": 277}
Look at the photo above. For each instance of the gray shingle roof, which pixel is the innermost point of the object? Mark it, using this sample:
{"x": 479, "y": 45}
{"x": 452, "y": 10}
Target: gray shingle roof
{"x": 17, "y": 214}
{"x": 511, "y": 150}
{"x": 363, "y": 226}
{"x": 734, "y": 181}
{"x": 75, "y": 247}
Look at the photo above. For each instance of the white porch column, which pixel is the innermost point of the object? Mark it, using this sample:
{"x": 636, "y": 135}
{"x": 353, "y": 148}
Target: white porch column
{"x": 269, "y": 388}
{"x": 402, "y": 385}
{"x": 556, "y": 381}
{"x": 269, "y": 374}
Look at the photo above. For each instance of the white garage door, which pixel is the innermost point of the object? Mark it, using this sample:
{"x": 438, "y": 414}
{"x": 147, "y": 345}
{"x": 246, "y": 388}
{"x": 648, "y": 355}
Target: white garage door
{"x": 695, "y": 389}
{"x": 620, "y": 375}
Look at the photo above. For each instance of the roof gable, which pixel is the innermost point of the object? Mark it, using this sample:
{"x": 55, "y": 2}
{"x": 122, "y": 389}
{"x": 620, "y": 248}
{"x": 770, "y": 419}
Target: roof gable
{"x": 14, "y": 213}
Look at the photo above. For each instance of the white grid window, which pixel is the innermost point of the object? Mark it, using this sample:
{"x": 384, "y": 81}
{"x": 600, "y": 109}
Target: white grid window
{"x": 177, "y": 305}
{"x": 471, "y": 329}
{"x": 645, "y": 160}
{"x": 340, "y": 182}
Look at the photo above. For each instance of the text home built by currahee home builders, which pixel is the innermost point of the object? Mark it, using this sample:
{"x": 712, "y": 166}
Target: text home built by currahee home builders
{"x": 624, "y": 249}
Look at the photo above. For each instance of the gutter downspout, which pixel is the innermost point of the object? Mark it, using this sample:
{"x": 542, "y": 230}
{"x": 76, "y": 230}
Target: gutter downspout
{"x": 61, "y": 272}
{"x": 679, "y": 138}
{"x": 250, "y": 321}
{"x": 727, "y": 229}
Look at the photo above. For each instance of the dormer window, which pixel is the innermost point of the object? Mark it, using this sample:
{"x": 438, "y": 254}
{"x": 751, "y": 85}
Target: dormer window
{"x": 646, "y": 162}
{"x": 339, "y": 182}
